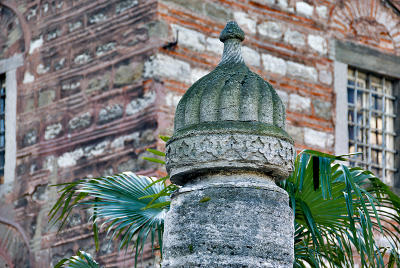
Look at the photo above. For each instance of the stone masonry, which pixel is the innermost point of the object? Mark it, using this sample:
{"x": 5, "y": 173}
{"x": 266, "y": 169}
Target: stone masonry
{"x": 228, "y": 149}
{"x": 101, "y": 79}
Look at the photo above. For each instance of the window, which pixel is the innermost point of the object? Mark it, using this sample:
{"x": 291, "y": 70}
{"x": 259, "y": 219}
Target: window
{"x": 2, "y": 125}
{"x": 371, "y": 118}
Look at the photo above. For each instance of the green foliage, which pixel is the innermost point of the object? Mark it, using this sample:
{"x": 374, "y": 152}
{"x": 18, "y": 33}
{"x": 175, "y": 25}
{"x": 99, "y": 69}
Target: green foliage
{"x": 118, "y": 202}
{"x": 339, "y": 210}
{"x": 80, "y": 260}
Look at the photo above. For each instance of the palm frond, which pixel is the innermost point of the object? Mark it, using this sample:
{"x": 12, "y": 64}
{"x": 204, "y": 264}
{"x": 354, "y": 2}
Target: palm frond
{"x": 337, "y": 210}
{"x": 80, "y": 260}
{"x": 118, "y": 203}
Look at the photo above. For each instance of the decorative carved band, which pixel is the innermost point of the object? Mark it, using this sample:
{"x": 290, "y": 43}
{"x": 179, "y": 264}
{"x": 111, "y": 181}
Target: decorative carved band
{"x": 259, "y": 150}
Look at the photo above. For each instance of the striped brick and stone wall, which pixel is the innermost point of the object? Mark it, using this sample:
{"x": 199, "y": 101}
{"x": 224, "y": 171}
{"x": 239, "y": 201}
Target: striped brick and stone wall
{"x": 101, "y": 79}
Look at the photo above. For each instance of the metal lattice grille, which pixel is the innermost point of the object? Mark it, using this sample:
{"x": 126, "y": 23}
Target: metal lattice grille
{"x": 371, "y": 122}
{"x": 2, "y": 125}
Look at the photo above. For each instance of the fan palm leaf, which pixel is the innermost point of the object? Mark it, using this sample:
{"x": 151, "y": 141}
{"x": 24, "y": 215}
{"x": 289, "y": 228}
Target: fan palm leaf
{"x": 80, "y": 260}
{"x": 118, "y": 202}
{"x": 338, "y": 211}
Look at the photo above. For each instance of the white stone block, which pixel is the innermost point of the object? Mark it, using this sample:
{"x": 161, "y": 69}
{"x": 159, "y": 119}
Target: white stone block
{"x": 190, "y": 38}
{"x": 302, "y": 71}
{"x": 168, "y": 67}
{"x": 325, "y": 77}
{"x": 96, "y": 150}
{"x": 139, "y": 104}
{"x": 265, "y": 2}
{"x": 28, "y": 78}
{"x": 52, "y": 131}
{"x": 250, "y": 56}
{"x": 274, "y": 64}
{"x": 120, "y": 141}
{"x": 69, "y": 159}
{"x": 318, "y": 43}
{"x": 318, "y": 138}
{"x": 197, "y": 73}
{"x": 299, "y": 104}
{"x": 294, "y": 38}
{"x": 304, "y": 9}
{"x": 172, "y": 99}
{"x": 284, "y": 96}
{"x": 215, "y": 45}
{"x": 283, "y": 4}
{"x": 322, "y": 12}
{"x": 270, "y": 29}
{"x": 245, "y": 21}
{"x": 35, "y": 44}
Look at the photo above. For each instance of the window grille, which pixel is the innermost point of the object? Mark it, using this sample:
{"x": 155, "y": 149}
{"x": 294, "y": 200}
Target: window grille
{"x": 2, "y": 125}
{"x": 371, "y": 118}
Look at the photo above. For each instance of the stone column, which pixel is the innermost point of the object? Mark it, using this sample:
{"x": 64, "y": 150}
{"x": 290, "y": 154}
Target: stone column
{"x": 228, "y": 149}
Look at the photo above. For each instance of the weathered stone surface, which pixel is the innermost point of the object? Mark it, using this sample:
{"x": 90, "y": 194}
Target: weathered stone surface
{"x": 214, "y": 45}
{"x": 270, "y": 29}
{"x": 297, "y": 133}
{"x": 110, "y": 113}
{"x": 322, "y": 11}
{"x": 265, "y": 2}
{"x": 251, "y": 56}
{"x": 125, "y": 5}
{"x": 99, "y": 83}
{"x": 157, "y": 29}
{"x": 274, "y": 64}
{"x": 245, "y": 21}
{"x": 46, "y": 97}
{"x": 325, "y": 77}
{"x": 304, "y": 8}
{"x": 230, "y": 220}
{"x": 299, "y": 104}
{"x": 194, "y": 5}
{"x": 218, "y": 12}
{"x": 318, "y": 138}
{"x": 52, "y": 131}
{"x": 301, "y": 71}
{"x": 80, "y": 122}
{"x": 82, "y": 58}
{"x": 229, "y": 143}
{"x": 239, "y": 103}
{"x": 30, "y": 137}
{"x": 127, "y": 74}
{"x": 28, "y": 78}
{"x": 322, "y": 109}
{"x": 190, "y": 38}
{"x": 166, "y": 66}
{"x": 197, "y": 73}
{"x": 139, "y": 104}
{"x": 294, "y": 38}
{"x": 229, "y": 151}
{"x": 72, "y": 26}
{"x": 283, "y": 96}
{"x": 318, "y": 43}
{"x": 102, "y": 49}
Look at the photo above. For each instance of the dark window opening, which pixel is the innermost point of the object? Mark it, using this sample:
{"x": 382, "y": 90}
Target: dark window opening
{"x": 371, "y": 123}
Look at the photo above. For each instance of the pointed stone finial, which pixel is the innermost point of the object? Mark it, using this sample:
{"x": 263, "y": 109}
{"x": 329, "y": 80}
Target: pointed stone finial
{"x": 228, "y": 149}
{"x": 232, "y": 36}
{"x": 231, "y": 31}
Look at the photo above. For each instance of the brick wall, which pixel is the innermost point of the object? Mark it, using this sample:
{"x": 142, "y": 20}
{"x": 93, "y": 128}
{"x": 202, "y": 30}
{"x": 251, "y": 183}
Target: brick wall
{"x": 101, "y": 80}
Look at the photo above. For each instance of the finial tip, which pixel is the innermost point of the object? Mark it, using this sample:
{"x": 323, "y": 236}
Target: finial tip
{"x": 231, "y": 31}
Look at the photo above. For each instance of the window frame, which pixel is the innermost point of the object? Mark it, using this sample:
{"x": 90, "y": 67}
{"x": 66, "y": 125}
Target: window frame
{"x": 347, "y": 54}
{"x": 9, "y": 68}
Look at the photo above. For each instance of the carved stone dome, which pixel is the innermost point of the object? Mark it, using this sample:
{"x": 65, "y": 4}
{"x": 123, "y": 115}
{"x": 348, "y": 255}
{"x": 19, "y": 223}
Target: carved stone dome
{"x": 229, "y": 121}
{"x": 231, "y": 96}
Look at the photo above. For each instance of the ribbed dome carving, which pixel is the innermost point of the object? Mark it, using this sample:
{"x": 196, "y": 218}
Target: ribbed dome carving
{"x": 231, "y": 93}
